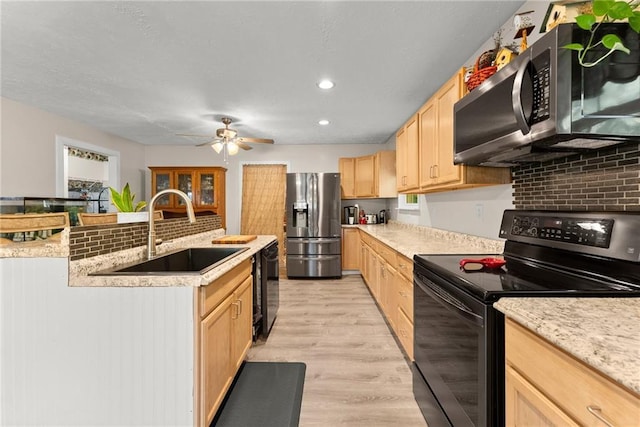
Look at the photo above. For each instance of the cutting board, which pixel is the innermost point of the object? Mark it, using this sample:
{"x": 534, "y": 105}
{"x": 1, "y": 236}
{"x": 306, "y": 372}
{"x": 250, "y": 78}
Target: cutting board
{"x": 235, "y": 238}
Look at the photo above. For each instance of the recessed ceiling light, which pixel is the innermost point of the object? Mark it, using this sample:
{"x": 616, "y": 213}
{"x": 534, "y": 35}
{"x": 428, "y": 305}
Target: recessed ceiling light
{"x": 326, "y": 84}
{"x": 323, "y": 122}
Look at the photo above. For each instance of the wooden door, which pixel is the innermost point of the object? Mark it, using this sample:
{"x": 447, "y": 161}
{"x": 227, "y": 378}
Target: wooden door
{"x": 445, "y": 99}
{"x": 243, "y": 321}
{"x": 527, "y": 406}
{"x": 263, "y": 199}
{"x": 350, "y": 249}
{"x": 428, "y": 144}
{"x": 346, "y": 166}
{"x": 412, "y": 160}
{"x": 401, "y": 159}
{"x": 365, "y": 174}
{"x": 215, "y": 359}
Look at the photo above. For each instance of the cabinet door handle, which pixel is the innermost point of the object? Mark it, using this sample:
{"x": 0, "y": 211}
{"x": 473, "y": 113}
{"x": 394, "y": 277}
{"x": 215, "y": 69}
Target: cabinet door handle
{"x": 597, "y": 412}
{"x": 436, "y": 171}
{"x": 239, "y": 307}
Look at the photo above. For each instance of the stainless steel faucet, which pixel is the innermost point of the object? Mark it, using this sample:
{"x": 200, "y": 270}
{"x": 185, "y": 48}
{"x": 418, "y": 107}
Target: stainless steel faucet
{"x": 151, "y": 240}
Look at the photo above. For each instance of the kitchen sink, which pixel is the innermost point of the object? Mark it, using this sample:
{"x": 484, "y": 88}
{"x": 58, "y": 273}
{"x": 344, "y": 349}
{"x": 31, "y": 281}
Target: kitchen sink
{"x": 185, "y": 261}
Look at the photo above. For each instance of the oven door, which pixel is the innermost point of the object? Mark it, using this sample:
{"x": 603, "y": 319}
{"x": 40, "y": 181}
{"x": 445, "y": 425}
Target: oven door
{"x": 458, "y": 372}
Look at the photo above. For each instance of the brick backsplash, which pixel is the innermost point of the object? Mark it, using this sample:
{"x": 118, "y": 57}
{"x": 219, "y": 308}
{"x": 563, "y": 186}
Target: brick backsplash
{"x": 608, "y": 179}
{"x": 89, "y": 241}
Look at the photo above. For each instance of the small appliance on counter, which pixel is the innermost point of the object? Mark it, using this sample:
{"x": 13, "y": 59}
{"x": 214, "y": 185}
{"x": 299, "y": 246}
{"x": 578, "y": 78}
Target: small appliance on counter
{"x": 382, "y": 217}
{"x": 350, "y": 214}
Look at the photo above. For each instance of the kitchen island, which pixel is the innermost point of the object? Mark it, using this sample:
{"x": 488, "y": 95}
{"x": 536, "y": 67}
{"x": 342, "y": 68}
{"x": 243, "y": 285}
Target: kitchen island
{"x": 120, "y": 350}
{"x": 80, "y": 270}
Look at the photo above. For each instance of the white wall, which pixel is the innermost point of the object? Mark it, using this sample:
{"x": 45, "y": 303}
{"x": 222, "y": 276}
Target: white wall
{"x": 475, "y": 211}
{"x": 28, "y": 160}
{"x": 298, "y": 158}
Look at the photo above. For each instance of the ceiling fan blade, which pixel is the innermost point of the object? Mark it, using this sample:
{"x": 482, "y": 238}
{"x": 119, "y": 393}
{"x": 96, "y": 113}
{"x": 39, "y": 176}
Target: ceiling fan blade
{"x": 264, "y": 140}
{"x": 243, "y": 145}
{"x": 206, "y": 143}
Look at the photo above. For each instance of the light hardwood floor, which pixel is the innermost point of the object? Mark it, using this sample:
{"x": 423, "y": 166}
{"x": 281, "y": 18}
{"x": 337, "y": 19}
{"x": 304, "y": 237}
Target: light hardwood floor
{"x": 356, "y": 374}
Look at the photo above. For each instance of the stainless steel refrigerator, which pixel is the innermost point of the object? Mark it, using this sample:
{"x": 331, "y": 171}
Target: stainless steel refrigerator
{"x": 313, "y": 225}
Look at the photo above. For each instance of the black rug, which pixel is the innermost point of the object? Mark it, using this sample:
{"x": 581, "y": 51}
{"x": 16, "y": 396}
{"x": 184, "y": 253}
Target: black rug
{"x": 264, "y": 394}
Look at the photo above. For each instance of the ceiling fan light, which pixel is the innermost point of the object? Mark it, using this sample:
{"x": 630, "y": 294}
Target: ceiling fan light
{"x": 326, "y": 84}
{"x": 217, "y": 147}
{"x": 233, "y": 148}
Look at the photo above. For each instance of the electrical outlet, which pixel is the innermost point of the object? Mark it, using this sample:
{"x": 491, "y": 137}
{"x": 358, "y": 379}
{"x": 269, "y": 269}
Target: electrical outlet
{"x": 479, "y": 211}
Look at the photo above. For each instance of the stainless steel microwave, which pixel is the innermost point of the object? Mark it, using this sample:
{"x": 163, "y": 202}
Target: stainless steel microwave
{"x": 544, "y": 105}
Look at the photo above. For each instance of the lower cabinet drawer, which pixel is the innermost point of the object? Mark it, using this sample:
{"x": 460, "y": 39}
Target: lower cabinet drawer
{"x": 405, "y": 267}
{"x": 577, "y": 389}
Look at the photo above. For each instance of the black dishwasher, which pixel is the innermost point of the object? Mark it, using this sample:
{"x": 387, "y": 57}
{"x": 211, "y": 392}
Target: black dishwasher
{"x": 266, "y": 291}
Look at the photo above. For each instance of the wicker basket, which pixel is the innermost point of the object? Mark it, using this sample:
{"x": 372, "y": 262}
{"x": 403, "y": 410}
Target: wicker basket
{"x": 481, "y": 74}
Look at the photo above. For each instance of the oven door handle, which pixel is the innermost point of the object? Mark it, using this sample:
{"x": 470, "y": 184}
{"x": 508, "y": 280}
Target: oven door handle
{"x": 448, "y": 300}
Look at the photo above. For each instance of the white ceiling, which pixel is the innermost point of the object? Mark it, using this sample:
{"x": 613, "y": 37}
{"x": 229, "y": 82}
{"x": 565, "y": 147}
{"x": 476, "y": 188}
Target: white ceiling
{"x": 149, "y": 70}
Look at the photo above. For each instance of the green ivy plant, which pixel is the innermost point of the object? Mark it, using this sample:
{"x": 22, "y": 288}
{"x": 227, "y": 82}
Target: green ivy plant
{"x": 609, "y": 11}
{"x": 124, "y": 201}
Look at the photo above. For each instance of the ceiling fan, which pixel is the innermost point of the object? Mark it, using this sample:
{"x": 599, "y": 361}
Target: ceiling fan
{"x": 228, "y": 141}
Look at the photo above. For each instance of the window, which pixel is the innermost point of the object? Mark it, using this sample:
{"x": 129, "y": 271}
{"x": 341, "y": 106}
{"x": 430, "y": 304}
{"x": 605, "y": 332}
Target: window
{"x": 408, "y": 202}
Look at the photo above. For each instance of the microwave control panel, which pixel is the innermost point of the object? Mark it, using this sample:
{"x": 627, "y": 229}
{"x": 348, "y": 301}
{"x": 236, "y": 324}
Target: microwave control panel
{"x": 541, "y": 80}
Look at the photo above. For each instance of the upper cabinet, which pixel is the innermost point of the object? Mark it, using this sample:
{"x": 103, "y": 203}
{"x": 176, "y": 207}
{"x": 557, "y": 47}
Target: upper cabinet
{"x": 432, "y": 128}
{"x": 205, "y": 186}
{"x": 371, "y": 176}
{"x": 407, "y": 163}
{"x": 347, "y": 169}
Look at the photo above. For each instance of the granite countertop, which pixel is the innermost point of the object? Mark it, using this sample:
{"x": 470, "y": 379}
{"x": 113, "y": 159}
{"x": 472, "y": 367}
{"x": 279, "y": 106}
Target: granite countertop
{"x": 602, "y": 332}
{"x": 410, "y": 240}
{"x": 79, "y": 270}
{"x": 56, "y": 246}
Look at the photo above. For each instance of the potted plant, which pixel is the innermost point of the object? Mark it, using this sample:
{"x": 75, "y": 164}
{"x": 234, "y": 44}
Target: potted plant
{"x": 605, "y": 11}
{"x": 124, "y": 203}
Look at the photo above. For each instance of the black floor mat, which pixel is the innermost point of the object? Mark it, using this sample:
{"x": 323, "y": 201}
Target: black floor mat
{"x": 264, "y": 394}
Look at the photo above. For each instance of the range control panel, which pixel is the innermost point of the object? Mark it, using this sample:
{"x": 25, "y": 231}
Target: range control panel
{"x": 581, "y": 231}
{"x": 610, "y": 234}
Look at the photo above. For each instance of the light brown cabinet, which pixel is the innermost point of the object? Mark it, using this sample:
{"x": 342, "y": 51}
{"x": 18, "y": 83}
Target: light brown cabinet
{"x": 404, "y": 303}
{"x": 205, "y": 186}
{"x": 365, "y": 176}
{"x": 389, "y": 276}
{"x": 407, "y": 162}
{"x": 224, "y": 334}
{"x": 387, "y": 290}
{"x": 373, "y": 175}
{"x": 546, "y": 386}
{"x": 370, "y": 263}
{"x": 435, "y": 147}
{"x": 350, "y": 248}
{"x": 347, "y": 169}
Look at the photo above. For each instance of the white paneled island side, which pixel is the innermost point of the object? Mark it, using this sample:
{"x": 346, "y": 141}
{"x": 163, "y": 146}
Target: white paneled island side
{"x": 110, "y": 350}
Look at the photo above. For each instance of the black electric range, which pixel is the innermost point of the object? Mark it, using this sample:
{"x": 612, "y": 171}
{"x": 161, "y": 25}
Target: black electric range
{"x": 459, "y": 336}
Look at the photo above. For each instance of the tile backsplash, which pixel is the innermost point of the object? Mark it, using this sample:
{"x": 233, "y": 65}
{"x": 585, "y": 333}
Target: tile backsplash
{"x": 608, "y": 179}
{"x": 89, "y": 241}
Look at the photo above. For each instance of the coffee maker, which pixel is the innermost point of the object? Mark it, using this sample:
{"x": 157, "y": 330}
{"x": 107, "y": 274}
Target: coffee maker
{"x": 351, "y": 214}
{"x": 382, "y": 217}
